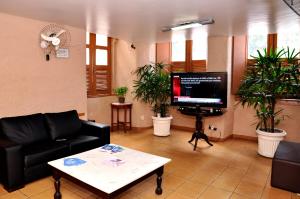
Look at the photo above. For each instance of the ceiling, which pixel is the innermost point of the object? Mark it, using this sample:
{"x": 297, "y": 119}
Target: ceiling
{"x": 142, "y": 20}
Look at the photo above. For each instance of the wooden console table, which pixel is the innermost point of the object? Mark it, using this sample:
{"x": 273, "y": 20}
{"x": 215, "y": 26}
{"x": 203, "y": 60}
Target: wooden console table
{"x": 126, "y": 122}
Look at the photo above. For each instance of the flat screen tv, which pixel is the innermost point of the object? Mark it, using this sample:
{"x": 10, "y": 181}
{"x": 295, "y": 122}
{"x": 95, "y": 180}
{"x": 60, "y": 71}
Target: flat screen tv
{"x": 204, "y": 89}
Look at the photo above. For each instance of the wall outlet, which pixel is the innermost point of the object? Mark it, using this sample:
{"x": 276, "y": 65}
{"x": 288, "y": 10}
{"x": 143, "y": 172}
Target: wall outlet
{"x": 211, "y": 127}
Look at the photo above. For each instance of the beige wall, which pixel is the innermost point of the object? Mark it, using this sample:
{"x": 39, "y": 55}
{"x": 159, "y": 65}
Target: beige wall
{"x": 244, "y": 118}
{"x": 235, "y": 120}
{"x": 30, "y": 84}
{"x": 125, "y": 61}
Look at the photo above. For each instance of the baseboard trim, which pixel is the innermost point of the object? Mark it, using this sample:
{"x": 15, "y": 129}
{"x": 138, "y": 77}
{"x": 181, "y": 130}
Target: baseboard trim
{"x": 183, "y": 128}
{"x": 232, "y": 136}
{"x": 215, "y": 139}
{"x": 244, "y": 137}
{"x": 141, "y": 128}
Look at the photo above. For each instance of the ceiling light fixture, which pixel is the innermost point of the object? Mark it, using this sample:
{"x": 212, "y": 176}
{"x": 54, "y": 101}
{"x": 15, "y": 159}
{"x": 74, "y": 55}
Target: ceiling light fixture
{"x": 186, "y": 26}
{"x": 189, "y": 24}
{"x": 294, "y": 5}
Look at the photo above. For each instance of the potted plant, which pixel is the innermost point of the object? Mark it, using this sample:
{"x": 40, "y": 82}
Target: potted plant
{"x": 269, "y": 78}
{"x": 153, "y": 86}
{"x": 121, "y": 92}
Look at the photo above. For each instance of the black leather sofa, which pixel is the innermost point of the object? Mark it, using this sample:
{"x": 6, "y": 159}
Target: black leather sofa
{"x": 28, "y": 142}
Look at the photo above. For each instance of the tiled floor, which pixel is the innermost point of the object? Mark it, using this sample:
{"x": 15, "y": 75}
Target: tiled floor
{"x": 230, "y": 169}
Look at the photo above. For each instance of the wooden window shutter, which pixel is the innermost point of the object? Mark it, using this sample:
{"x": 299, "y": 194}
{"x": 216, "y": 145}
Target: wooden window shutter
{"x": 239, "y": 61}
{"x": 164, "y": 54}
{"x": 199, "y": 65}
{"x": 98, "y": 77}
{"x": 272, "y": 42}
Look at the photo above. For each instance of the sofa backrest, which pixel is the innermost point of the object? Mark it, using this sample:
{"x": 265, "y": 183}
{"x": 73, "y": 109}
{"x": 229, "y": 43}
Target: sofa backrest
{"x": 24, "y": 129}
{"x": 63, "y": 124}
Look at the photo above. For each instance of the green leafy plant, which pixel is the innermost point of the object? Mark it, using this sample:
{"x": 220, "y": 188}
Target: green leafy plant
{"x": 121, "y": 91}
{"x": 153, "y": 86}
{"x": 269, "y": 78}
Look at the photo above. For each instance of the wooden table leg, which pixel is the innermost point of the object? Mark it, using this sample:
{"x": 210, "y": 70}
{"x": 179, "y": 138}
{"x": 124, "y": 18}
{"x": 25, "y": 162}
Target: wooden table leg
{"x": 112, "y": 118}
{"x": 57, "y": 194}
{"x": 118, "y": 122}
{"x": 130, "y": 118}
{"x": 125, "y": 120}
{"x": 159, "y": 174}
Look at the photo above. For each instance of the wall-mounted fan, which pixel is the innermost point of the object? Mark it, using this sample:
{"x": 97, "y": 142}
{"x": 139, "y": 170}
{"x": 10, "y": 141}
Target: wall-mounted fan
{"x": 54, "y": 37}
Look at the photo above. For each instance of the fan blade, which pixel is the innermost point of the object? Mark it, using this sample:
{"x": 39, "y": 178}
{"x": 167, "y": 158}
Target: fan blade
{"x": 44, "y": 44}
{"x": 60, "y": 32}
{"x": 55, "y": 41}
{"x": 46, "y": 37}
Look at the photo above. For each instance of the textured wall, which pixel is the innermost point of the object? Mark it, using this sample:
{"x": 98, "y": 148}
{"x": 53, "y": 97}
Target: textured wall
{"x": 28, "y": 83}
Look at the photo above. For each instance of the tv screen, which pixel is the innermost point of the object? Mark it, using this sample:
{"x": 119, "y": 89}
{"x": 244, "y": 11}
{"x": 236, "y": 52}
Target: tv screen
{"x": 205, "y": 89}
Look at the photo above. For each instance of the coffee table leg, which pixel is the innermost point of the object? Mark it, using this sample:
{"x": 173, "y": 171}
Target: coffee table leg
{"x": 57, "y": 194}
{"x": 159, "y": 174}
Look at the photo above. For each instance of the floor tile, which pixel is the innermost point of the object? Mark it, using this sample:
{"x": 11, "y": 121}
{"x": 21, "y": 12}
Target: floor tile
{"x": 37, "y": 187}
{"x": 229, "y": 169}
{"x": 190, "y": 189}
{"x": 238, "y": 196}
{"x": 215, "y": 193}
{"x": 249, "y": 189}
{"x": 233, "y": 172}
{"x": 226, "y": 183}
{"x": 13, "y": 195}
{"x": 204, "y": 177}
{"x": 295, "y": 196}
{"x": 274, "y": 193}
{"x": 2, "y": 191}
{"x": 66, "y": 194}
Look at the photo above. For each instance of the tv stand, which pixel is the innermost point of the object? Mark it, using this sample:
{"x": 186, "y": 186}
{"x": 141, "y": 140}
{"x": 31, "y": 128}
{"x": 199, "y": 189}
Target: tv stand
{"x": 199, "y": 113}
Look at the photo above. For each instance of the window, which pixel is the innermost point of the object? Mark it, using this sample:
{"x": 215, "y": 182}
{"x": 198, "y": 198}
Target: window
{"x": 289, "y": 39}
{"x": 199, "y": 48}
{"x": 256, "y": 42}
{"x": 98, "y": 65}
{"x": 189, "y": 55}
{"x": 199, "y": 52}
{"x": 178, "y": 51}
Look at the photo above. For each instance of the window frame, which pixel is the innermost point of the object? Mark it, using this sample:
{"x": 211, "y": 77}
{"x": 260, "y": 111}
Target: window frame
{"x": 93, "y": 71}
{"x": 188, "y": 65}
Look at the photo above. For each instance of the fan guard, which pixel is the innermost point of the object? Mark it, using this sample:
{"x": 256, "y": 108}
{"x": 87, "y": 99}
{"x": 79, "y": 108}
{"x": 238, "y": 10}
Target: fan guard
{"x": 52, "y": 30}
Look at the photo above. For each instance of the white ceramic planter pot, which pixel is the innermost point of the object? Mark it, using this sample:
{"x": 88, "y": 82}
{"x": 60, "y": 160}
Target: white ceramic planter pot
{"x": 268, "y": 142}
{"x": 162, "y": 125}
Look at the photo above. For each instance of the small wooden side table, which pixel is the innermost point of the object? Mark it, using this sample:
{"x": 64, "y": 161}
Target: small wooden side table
{"x": 126, "y": 122}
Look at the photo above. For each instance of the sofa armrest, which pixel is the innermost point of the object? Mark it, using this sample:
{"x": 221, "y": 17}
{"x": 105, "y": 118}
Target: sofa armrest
{"x": 96, "y": 129}
{"x": 11, "y": 165}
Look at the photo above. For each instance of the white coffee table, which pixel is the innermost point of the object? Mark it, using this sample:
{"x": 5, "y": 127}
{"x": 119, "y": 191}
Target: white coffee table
{"x": 107, "y": 174}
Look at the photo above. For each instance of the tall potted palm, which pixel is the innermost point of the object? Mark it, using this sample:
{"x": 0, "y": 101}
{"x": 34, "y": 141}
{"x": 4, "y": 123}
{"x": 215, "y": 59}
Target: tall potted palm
{"x": 153, "y": 86}
{"x": 269, "y": 78}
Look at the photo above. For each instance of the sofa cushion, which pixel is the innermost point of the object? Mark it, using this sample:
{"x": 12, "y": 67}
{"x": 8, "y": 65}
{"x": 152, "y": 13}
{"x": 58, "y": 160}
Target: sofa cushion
{"x": 63, "y": 124}
{"x": 83, "y": 143}
{"x": 44, "y": 152}
{"x": 24, "y": 129}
